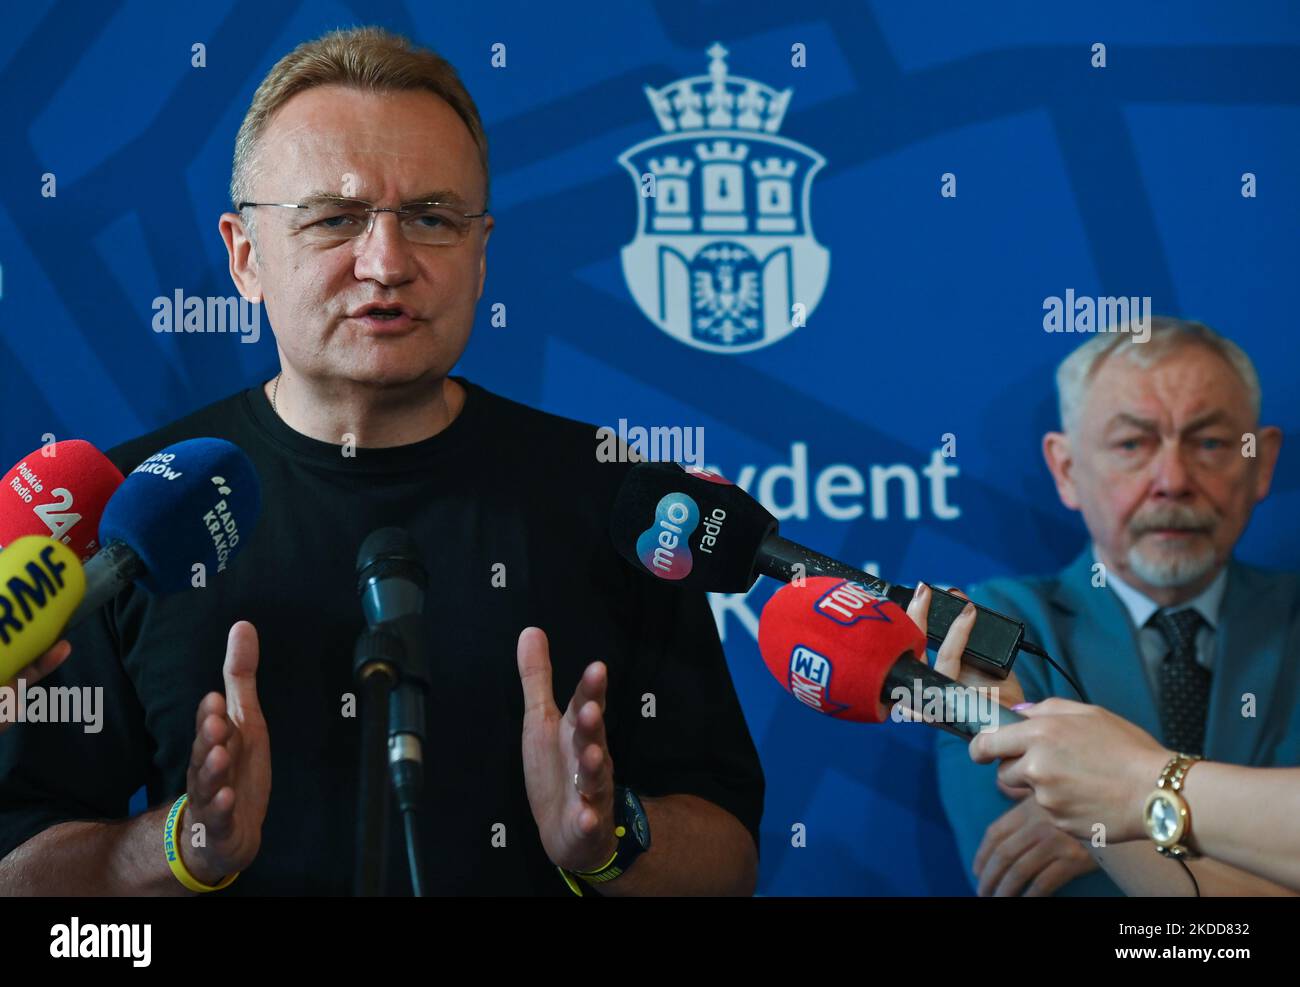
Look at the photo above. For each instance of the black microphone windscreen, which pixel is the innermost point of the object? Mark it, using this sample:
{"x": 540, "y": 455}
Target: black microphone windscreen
{"x": 387, "y": 553}
{"x": 690, "y": 527}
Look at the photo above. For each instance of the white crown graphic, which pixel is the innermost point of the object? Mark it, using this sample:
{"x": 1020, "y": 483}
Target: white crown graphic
{"x": 718, "y": 101}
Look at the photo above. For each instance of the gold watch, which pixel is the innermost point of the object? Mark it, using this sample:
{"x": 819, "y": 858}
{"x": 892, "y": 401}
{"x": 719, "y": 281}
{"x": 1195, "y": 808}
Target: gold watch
{"x": 1166, "y": 815}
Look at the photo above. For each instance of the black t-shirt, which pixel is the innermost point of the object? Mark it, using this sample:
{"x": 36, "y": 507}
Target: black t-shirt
{"x": 503, "y": 485}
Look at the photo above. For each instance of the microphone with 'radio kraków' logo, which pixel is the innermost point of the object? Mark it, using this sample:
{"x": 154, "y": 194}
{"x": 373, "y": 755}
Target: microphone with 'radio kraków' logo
{"x": 195, "y": 502}
{"x": 41, "y": 583}
{"x": 58, "y": 491}
{"x": 698, "y": 530}
{"x": 852, "y": 654}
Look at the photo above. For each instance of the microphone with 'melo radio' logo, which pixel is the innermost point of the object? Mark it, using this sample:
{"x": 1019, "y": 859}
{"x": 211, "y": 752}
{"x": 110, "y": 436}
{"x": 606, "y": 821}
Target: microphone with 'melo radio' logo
{"x": 697, "y": 530}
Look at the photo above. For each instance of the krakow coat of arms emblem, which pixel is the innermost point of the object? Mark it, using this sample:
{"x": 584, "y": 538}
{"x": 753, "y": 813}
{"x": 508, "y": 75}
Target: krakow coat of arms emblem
{"x": 724, "y": 257}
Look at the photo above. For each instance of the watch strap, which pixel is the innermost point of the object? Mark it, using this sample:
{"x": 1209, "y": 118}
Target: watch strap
{"x": 1176, "y": 770}
{"x": 627, "y": 813}
{"x": 1171, "y": 781}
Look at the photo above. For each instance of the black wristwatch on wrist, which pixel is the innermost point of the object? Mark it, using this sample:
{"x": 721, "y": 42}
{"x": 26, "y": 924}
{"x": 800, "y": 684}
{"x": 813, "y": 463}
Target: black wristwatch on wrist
{"x": 633, "y": 831}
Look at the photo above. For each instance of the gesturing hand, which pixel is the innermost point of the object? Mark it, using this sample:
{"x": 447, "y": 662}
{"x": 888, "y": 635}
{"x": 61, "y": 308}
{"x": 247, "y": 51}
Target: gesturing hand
{"x": 576, "y": 821}
{"x": 229, "y": 777}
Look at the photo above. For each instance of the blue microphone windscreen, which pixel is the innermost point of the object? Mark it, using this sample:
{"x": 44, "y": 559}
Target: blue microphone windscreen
{"x": 194, "y": 502}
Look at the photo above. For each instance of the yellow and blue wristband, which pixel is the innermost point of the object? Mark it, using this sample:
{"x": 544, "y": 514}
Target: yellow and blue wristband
{"x": 171, "y": 848}
{"x": 606, "y": 872}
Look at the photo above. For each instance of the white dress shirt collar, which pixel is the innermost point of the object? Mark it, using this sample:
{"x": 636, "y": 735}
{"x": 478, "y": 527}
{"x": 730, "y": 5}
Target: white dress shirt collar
{"x": 1140, "y": 607}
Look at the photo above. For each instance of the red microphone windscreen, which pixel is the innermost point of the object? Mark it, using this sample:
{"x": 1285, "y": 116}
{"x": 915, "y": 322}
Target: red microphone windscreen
{"x": 832, "y": 642}
{"x": 59, "y": 491}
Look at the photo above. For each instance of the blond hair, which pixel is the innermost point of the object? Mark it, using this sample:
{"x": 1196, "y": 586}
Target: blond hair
{"x": 366, "y": 58}
{"x": 1166, "y": 336}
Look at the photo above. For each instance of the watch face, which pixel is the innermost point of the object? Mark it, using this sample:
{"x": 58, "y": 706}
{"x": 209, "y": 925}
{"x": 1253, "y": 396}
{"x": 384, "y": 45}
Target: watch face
{"x": 641, "y": 831}
{"x": 637, "y": 822}
{"x": 1163, "y": 820}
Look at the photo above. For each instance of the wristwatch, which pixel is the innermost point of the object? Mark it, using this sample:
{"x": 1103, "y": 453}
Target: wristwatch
{"x": 1167, "y": 818}
{"x": 633, "y": 831}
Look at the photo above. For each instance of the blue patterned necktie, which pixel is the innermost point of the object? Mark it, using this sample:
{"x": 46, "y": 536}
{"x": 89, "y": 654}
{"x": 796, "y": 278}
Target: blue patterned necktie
{"x": 1184, "y": 685}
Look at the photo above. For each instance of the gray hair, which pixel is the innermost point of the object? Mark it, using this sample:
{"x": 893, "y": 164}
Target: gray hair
{"x": 366, "y": 58}
{"x": 1165, "y": 336}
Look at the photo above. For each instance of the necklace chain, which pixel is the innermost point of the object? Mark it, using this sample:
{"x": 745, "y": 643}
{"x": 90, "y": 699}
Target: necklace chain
{"x": 275, "y": 391}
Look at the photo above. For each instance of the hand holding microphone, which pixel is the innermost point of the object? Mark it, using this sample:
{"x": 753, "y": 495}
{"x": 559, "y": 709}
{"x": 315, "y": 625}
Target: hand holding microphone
{"x": 41, "y": 583}
{"x": 1022, "y": 852}
{"x": 850, "y": 653}
{"x": 57, "y": 492}
{"x": 1082, "y": 764}
{"x": 948, "y": 657}
{"x": 194, "y": 503}
{"x": 37, "y": 670}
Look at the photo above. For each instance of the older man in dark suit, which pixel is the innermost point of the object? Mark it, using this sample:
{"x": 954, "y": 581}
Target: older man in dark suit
{"x": 1161, "y": 450}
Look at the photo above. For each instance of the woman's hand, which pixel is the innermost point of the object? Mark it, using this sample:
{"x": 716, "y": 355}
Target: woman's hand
{"x": 948, "y": 658}
{"x": 1084, "y": 764}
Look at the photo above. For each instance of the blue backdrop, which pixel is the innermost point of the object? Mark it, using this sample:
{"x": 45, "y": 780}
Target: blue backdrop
{"x": 1122, "y": 180}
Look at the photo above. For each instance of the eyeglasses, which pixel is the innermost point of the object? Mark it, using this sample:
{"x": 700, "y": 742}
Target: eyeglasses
{"x": 333, "y": 221}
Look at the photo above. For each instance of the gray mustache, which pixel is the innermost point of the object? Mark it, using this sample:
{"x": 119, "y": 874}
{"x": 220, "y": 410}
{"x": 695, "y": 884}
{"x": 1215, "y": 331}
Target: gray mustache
{"x": 1178, "y": 518}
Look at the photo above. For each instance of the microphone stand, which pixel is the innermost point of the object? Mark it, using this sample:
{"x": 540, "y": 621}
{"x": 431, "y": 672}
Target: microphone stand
{"x": 375, "y": 665}
{"x": 406, "y": 710}
{"x": 391, "y": 581}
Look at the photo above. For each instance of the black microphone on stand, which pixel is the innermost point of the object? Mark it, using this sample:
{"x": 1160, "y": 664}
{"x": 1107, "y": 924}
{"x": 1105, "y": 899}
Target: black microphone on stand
{"x": 392, "y": 581}
{"x": 376, "y": 663}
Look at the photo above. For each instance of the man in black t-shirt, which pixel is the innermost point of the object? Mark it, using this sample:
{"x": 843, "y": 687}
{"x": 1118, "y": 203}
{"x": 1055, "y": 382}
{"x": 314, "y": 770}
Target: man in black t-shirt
{"x": 366, "y": 166}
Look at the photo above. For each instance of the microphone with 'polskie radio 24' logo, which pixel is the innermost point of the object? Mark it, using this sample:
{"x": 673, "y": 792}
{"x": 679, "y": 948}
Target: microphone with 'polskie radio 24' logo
{"x": 849, "y": 653}
{"x": 699, "y": 530}
{"x": 59, "y": 491}
{"x": 195, "y": 502}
